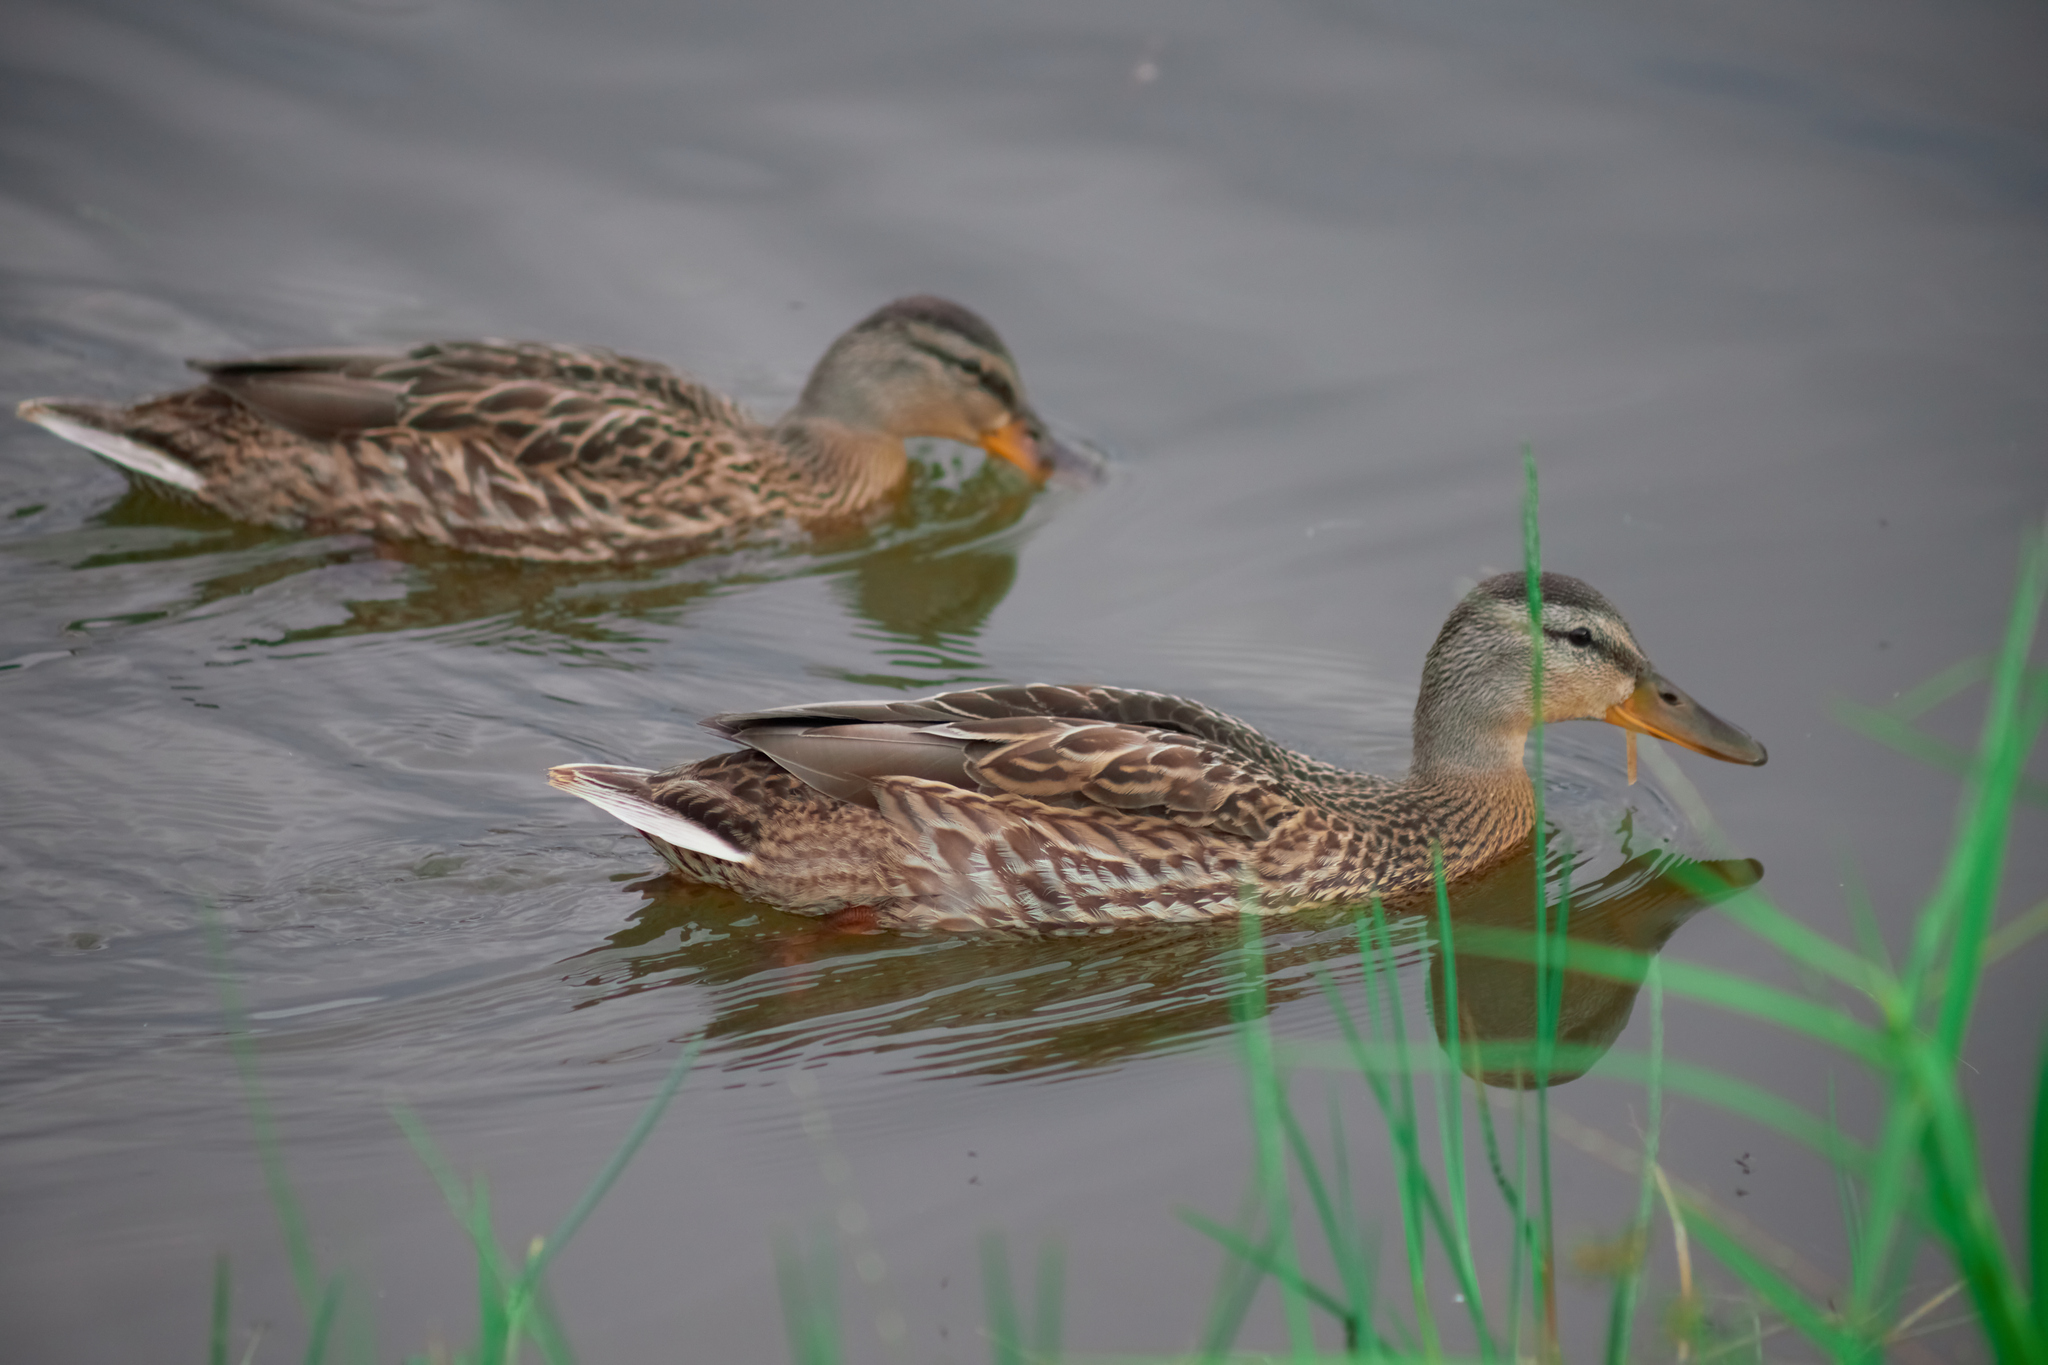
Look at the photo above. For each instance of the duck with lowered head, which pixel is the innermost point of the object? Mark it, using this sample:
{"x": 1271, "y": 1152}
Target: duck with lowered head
{"x": 542, "y": 452}
{"x": 1044, "y": 806}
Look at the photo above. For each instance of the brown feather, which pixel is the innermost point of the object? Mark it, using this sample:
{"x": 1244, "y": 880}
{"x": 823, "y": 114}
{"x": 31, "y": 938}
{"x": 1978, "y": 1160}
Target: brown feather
{"x": 557, "y": 453}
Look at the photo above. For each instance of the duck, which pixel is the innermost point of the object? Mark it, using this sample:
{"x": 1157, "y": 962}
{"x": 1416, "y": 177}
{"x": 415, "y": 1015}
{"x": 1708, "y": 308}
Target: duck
{"x": 1074, "y": 807}
{"x": 539, "y": 452}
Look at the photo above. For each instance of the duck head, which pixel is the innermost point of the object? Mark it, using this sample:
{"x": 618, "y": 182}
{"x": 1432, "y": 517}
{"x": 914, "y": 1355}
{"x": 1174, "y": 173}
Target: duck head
{"x": 1478, "y": 702}
{"x": 925, "y": 366}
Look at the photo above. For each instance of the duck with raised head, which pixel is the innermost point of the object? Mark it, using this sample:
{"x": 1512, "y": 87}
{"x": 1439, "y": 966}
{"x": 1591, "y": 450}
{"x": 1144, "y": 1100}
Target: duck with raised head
{"x": 1044, "y": 806}
{"x": 545, "y": 452}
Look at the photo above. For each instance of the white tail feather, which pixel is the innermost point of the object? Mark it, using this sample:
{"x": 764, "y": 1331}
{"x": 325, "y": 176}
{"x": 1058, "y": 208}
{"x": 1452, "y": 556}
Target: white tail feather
{"x": 587, "y": 780}
{"x": 106, "y": 444}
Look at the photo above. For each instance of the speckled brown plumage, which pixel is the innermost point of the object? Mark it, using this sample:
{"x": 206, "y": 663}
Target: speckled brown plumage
{"x": 553, "y": 453}
{"x": 1060, "y": 806}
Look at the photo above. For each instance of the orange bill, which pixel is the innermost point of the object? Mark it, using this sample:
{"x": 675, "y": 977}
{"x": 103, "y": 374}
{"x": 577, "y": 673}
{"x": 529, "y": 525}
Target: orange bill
{"x": 1018, "y": 442}
{"x": 1657, "y": 708}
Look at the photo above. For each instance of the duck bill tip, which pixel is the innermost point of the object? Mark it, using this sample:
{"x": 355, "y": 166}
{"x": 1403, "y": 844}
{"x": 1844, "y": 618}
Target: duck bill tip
{"x": 1662, "y": 711}
{"x": 1019, "y": 442}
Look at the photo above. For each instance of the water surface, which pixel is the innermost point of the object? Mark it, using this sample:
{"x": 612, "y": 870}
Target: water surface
{"x": 1765, "y": 289}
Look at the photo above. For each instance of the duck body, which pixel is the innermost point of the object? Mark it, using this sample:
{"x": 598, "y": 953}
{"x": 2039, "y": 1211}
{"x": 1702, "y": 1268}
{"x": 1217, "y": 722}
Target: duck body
{"x": 1060, "y": 806}
{"x": 544, "y": 452}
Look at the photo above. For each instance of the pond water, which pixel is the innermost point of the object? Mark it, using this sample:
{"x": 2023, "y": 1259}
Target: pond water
{"x": 1765, "y": 288}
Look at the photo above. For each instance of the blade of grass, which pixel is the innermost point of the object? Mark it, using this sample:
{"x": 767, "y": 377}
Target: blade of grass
{"x": 1951, "y": 925}
{"x": 1450, "y": 1103}
{"x": 1048, "y": 1310}
{"x": 217, "y": 1338}
{"x": 1005, "y": 1337}
{"x": 2015, "y": 934}
{"x": 323, "y": 1322}
{"x": 1921, "y": 698}
{"x": 1738, "y": 994}
{"x": 1265, "y": 1256}
{"x": 1238, "y": 1284}
{"x": 1963, "y": 1212}
{"x": 2037, "y": 1196}
{"x": 1959, "y": 912}
{"x": 1875, "y": 723}
{"x": 1716, "y": 1087}
{"x": 1621, "y": 1316}
{"x": 606, "y": 1178}
{"x": 269, "y": 1147}
{"x": 1397, "y": 1112}
{"x": 808, "y": 1288}
{"x": 1266, "y": 1092}
{"x": 1820, "y": 1328}
{"x": 1349, "y": 1315}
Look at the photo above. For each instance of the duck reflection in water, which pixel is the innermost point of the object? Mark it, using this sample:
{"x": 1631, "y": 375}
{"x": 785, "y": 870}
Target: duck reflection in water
{"x": 780, "y": 989}
{"x": 927, "y": 577}
{"x": 1636, "y": 908}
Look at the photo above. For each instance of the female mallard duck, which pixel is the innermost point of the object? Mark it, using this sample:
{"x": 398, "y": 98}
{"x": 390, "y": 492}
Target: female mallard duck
{"x": 542, "y": 452}
{"x": 1047, "y": 806}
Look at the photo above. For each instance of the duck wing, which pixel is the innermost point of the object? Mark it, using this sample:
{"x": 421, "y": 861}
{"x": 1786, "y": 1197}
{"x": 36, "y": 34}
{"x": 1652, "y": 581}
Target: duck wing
{"x": 543, "y": 406}
{"x": 1086, "y": 751}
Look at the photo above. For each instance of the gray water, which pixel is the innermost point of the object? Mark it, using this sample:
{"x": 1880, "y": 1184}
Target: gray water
{"x": 1764, "y": 287}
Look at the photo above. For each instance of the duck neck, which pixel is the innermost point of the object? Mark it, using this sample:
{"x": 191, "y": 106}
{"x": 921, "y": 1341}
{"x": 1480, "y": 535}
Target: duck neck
{"x": 851, "y": 467}
{"x": 1471, "y": 723}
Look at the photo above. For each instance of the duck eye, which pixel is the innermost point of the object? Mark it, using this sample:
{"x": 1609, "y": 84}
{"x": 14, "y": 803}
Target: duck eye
{"x": 1581, "y": 637}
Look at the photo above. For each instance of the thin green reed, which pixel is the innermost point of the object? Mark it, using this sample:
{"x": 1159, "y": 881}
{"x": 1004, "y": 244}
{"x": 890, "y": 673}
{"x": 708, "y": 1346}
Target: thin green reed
{"x": 319, "y": 1301}
{"x": 808, "y": 1282}
{"x": 1925, "y": 1123}
{"x": 1267, "y": 1094}
{"x": 217, "y": 1341}
{"x": 1621, "y": 1320}
{"x": 1382, "y": 985}
{"x": 1532, "y": 567}
{"x": 512, "y": 1304}
{"x": 1007, "y": 1343}
{"x": 1451, "y": 1100}
{"x": 2037, "y": 1198}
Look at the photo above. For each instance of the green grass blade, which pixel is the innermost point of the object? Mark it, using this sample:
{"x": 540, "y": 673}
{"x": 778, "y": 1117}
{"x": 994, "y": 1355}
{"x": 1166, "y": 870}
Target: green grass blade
{"x": 1265, "y": 1258}
{"x": 1963, "y": 1216}
{"x": 642, "y": 1128}
{"x": 323, "y": 1322}
{"x": 1716, "y": 1087}
{"x": 1449, "y": 1090}
{"x": 472, "y": 1209}
{"x": 1347, "y": 1314}
{"x": 1237, "y": 1286}
{"x": 1738, "y": 994}
{"x": 1921, "y": 747}
{"x": 1804, "y": 945}
{"x": 1818, "y": 1327}
{"x": 809, "y": 1294}
{"x": 2037, "y": 1197}
{"x": 1049, "y": 1308}
{"x": 2016, "y": 933}
{"x": 269, "y": 1147}
{"x": 1397, "y": 1107}
{"x": 1266, "y": 1094}
{"x": 1005, "y": 1337}
{"x": 1959, "y": 912}
{"x": 1921, "y": 698}
{"x": 1621, "y": 1316}
{"x": 221, "y": 1324}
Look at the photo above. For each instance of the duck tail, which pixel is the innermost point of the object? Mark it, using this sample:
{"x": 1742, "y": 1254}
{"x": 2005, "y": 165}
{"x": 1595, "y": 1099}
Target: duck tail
{"x": 628, "y": 793}
{"x": 97, "y": 428}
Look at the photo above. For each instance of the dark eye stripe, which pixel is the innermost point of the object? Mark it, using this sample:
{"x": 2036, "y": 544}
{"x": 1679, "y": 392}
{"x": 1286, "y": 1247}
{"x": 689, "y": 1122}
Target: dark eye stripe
{"x": 995, "y": 385}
